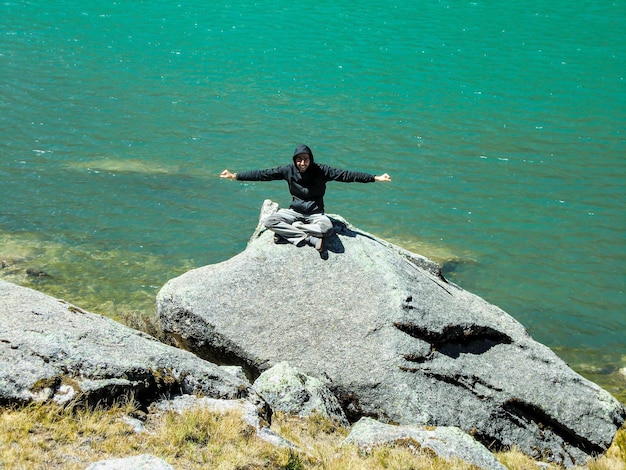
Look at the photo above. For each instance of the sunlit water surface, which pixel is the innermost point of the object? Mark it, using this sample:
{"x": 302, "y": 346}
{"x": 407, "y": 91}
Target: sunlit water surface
{"x": 502, "y": 127}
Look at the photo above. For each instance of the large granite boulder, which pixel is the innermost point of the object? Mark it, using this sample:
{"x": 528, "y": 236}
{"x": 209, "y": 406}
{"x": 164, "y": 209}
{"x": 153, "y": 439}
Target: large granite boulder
{"x": 51, "y": 350}
{"x": 392, "y": 339}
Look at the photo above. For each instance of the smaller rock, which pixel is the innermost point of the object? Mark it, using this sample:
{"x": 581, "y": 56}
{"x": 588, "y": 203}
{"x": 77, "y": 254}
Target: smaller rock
{"x": 138, "y": 462}
{"x": 447, "y": 442}
{"x": 237, "y": 371}
{"x": 286, "y": 389}
{"x": 134, "y": 423}
{"x": 64, "y": 395}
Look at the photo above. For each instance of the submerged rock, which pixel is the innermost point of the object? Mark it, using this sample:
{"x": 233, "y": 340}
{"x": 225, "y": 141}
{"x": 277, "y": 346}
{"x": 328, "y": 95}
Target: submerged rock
{"x": 37, "y": 272}
{"x": 51, "y": 350}
{"x": 392, "y": 339}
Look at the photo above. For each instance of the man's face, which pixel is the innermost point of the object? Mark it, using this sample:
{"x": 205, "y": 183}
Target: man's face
{"x": 302, "y": 161}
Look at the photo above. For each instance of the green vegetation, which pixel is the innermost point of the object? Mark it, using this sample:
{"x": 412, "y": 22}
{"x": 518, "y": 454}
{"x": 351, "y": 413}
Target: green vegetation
{"x": 47, "y": 436}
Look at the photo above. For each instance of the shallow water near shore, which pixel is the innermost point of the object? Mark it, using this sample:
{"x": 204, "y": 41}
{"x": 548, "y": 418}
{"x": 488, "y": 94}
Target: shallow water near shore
{"x": 503, "y": 130}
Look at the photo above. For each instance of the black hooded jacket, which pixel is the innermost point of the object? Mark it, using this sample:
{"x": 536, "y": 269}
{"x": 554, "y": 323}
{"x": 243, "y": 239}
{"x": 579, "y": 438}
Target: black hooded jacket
{"x": 307, "y": 189}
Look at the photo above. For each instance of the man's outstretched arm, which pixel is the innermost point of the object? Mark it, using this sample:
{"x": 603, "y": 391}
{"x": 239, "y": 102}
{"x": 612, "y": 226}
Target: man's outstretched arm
{"x": 269, "y": 174}
{"x": 351, "y": 176}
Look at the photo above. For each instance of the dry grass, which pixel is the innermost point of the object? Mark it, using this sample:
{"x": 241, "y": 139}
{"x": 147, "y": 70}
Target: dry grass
{"x": 613, "y": 459}
{"x": 46, "y": 436}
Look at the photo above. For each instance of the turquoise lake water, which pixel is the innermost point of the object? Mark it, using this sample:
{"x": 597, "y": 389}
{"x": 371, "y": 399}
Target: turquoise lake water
{"x": 502, "y": 124}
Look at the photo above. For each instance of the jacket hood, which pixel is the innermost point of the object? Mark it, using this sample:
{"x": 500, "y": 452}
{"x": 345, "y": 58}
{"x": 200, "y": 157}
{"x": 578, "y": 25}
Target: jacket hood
{"x": 302, "y": 149}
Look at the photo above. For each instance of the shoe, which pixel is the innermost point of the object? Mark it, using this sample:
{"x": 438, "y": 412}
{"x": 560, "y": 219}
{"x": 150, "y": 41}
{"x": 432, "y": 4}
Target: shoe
{"x": 318, "y": 243}
{"x": 278, "y": 240}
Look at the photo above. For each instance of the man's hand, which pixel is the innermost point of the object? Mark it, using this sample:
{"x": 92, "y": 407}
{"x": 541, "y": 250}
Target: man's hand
{"x": 382, "y": 178}
{"x": 227, "y": 174}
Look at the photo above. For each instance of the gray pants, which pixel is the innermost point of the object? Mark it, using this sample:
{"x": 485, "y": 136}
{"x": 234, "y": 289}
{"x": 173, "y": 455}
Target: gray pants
{"x": 295, "y": 227}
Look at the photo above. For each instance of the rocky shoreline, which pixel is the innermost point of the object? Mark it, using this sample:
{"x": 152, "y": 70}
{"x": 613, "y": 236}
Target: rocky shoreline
{"x": 371, "y": 336}
{"x": 52, "y": 351}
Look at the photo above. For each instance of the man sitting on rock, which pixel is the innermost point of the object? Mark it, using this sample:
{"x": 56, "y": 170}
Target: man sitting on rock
{"x": 304, "y": 222}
